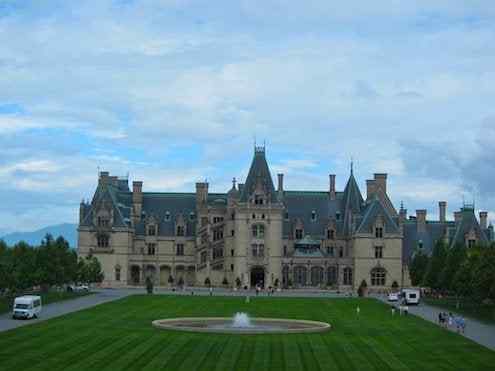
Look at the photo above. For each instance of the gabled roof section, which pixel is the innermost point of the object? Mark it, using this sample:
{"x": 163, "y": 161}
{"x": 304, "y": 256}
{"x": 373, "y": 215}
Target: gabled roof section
{"x": 259, "y": 172}
{"x": 352, "y": 202}
{"x": 374, "y": 210}
{"x": 113, "y": 194}
{"x": 468, "y": 222}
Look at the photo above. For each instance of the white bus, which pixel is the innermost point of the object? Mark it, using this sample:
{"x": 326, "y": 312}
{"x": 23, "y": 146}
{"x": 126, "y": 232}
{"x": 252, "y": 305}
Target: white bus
{"x": 28, "y": 306}
{"x": 411, "y": 296}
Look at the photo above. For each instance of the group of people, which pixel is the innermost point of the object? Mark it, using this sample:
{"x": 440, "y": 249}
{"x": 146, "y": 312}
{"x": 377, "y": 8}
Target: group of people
{"x": 450, "y": 321}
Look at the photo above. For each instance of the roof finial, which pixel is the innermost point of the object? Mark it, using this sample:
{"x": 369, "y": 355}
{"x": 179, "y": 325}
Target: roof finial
{"x": 402, "y": 205}
{"x": 233, "y": 182}
{"x": 352, "y": 165}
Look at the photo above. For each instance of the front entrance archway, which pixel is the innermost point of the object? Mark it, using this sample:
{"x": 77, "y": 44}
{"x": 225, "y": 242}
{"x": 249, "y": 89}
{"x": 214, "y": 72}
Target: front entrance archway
{"x": 258, "y": 277}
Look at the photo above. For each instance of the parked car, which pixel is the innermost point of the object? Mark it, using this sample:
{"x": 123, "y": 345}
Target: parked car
{"x": 393, "y": 296}
{"x": 27, "y": 306}
{"x": 78, "y": 288}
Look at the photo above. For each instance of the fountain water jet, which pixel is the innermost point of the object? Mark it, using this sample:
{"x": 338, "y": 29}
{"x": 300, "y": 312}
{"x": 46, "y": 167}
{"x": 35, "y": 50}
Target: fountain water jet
{"x": 241, "y": 320}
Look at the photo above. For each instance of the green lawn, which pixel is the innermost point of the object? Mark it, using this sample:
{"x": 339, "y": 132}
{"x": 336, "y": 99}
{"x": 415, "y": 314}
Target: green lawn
{"x": 483, "y": 313}
{"x": 119, "y": 336}
{"x": 46, "y": 298}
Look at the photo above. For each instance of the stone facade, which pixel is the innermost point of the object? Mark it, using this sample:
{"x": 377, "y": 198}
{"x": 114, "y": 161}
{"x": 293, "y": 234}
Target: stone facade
{"x": 258, "y": 235}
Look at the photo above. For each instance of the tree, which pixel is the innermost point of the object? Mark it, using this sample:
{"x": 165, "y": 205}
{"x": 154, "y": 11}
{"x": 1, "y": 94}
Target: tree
{"x": 225, "y": 282}
{"x": 170, "y": 280}
{"x": 455, "y": 257}
{"x": 238, "y": 282}
{"x": 435, "y": 265}
{"x": 207, "y": 281}
{"x": 418, "y": 266}
{"x": 395, "y": 286}
{"x": 483, "y": 276}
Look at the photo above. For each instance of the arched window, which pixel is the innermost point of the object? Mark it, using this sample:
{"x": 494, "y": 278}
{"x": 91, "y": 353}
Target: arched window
{"x": 300, "y": 275}
{"x": 117, "y": 273}
{"x": 331, "y": 275}
{"x": 378, "y": 276}
{"x": 316, "y": 276}
{"x": 285, "y": 276}
{"x": 347, "y": 276}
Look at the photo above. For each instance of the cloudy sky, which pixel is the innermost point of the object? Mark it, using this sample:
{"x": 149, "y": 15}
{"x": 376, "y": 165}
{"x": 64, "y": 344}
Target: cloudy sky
{"x": 173, "y": 92}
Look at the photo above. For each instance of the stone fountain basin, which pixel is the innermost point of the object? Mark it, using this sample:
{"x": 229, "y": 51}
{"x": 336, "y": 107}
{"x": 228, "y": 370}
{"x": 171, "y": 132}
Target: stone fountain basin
{"x": 224, "y": 325}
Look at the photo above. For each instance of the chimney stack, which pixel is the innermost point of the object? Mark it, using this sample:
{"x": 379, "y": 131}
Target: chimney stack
{"x": 333, "y": 194}
{"x": 280, "y": 182}
{"x": 402, "y": 215}
{"x": 202, "y": 193}
{"x": 457, "y": 216}
{"x": 104, "y": 177}
{"x": 483, "y": 220}
{"x": 421, "y": 220}
{"x": 381, "y": 181}
{"x": 442, "y": 207}
{"x": 370, "y": 188}
{"x": 137, "y": 199}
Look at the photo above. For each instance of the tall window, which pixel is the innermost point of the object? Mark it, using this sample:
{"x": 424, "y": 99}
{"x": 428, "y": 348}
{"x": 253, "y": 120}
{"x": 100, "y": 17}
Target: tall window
{"x": 167, "y": 216}
{"x": 151, "y": 230}
{"x": 217, "y": 234}
{"x": 180, "y": 249}
{"x": 331, "y": 275}
{"x": 471, "y": 243}
{"x": 258, "y": 200}
{"x": 204, "y": 257}
{"x": 218, "y": 253}
{"x": 258, "y": 250}
{"x": 379, "y": 232}
{"x": 102, "y": 240}
{"x": 217, "y": 219}
{"x": 330, "y": 234}
{"x": 378, "y": 252}
{"x": 313, "y": 215}
{"x": 180, "y": 230}
{"x": 378, "y": 277}
{"x": 341, "y": 252}
{"x": 347, "y": 276}
{"x": 151, "y": 248}
{"x": 285, "y": 250}
{"x": 117, "y": 273}
{"x": 258, "y": 231}
{"x": 299, "y": 234}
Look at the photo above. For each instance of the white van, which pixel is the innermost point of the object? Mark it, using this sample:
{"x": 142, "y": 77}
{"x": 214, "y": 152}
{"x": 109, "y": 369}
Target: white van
{"x": 28, "y": 306}
{"x": 411, "y": 296}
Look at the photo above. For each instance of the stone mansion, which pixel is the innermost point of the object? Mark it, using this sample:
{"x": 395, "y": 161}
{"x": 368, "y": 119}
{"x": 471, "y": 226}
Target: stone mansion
{"x": 256, "y": 234}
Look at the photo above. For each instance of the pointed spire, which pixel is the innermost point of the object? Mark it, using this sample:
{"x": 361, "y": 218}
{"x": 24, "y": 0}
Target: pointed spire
{"x": 352, "y": 165}
{"x": 233, "y": 182}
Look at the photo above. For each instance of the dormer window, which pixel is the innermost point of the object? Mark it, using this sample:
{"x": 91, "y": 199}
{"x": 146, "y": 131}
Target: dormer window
{"x": 103, "y": 221}
{"x": 151, "y": 230}
{"x": 286, "y": 217}
{"x": 313, "y": 216}
{"x": 180, "y": 230}
{"x": 471, "y": 243}
{"x": 337, "y": 216}
{"x": 330, "y": 234}
{"x": 192, "y": 216}
{"x": 379, "y": 232}
{"x": 299, "y": 234}
{"x": 258, "y": 200}
{"x": 167, "y": 216}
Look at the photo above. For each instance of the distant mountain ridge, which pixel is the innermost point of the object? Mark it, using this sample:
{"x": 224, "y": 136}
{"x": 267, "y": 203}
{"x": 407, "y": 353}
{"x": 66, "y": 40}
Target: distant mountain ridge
{"x": 66, "y": 230}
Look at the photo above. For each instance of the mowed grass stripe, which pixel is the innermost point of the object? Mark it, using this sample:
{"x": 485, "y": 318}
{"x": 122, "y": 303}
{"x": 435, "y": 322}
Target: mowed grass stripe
{"x": 230, "y": 353}
{"x": 128, "y": 359}
{"x": 158, "y": 359}
{"x": 96, "y": 339}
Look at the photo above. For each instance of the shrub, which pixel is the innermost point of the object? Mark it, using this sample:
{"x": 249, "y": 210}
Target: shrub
{"x": 149, "y": 285}
{"x": 238, "y": 282}
{"x": 207, "y": 281}
{"x": 362, "y": 288}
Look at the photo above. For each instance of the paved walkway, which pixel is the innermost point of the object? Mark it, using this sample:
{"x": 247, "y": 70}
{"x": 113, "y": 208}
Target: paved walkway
{"x": 63, "y": 307}
{"x": 477, "y": 331}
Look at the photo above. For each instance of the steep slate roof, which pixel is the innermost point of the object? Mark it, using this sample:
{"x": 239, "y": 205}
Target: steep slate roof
{"x": 352, "y": 203}
{"x": 300, "y": 205}
{"x": 259, "y": 171}
{"x": 468, "y": 222}
{"x": 373, "y": 210}
{"x": 112, "y": 194}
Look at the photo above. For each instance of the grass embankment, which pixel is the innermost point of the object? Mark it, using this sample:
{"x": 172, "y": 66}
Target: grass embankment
{"x": 119, "y": 336}
{"x": 46, "y": 298}
{"x": 484, "y": 313}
